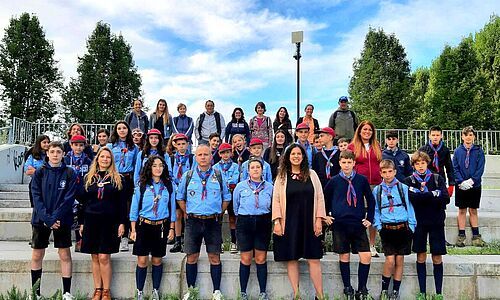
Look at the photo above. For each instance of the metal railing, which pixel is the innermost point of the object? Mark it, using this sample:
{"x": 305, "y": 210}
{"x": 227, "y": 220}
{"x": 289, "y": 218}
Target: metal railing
{"x": 24, "y": 132}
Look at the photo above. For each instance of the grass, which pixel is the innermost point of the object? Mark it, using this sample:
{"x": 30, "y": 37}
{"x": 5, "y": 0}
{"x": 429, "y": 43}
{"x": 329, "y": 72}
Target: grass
{"x": 491, "y": 248}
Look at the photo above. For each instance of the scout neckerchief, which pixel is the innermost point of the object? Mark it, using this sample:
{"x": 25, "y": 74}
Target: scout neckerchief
{"x": 123, "y": 150}
{"x": 435, "y": 159}
{"x": 256, "y": 188}
{"x": 351, "y": 192}
{"x": 386, "y": 188}
{"x": 423, "y": 182}
{"x": 467, "y": 156}
{"x": 76, "y": 162}
{"x": 213, "y": 156}
{"x": 157, "y": 197}
{"x": 225, "y": 166}
{"x": 306, "y": 145}
{"x": 100, "y": 185}
{"x": 328, "y": 162}
{"x": 203, "y": 177}
{"x": 240, "y": 156}
{"x": 181, "y": 161}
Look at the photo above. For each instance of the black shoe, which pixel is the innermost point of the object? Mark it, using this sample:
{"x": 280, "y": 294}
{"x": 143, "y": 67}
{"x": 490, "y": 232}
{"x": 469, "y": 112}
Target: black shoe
{"x": 176, "y": 248}
{"x": 362, "y": 294}
{"x": 171, "y": 242}
{"x": 349, "y": 293}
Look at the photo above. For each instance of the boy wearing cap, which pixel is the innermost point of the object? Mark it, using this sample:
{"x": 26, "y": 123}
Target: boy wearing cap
{"x": 399, "y": 157}
{"x": 326, "y": 162}
{"x": 181, "y": 162}
{"x": 80, "y": 162}
{"x": 302, "y": 133}
{"x": 230, "y": 177}
{"x": 256, "y": 149}
{"x": 468, "y": 166}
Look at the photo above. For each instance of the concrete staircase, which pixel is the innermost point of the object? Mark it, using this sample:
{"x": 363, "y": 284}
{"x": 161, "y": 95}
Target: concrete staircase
{"x": 466, "y": 277}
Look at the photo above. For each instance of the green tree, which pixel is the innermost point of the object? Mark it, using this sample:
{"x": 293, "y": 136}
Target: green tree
{"x": 107, "y": 79}
{"x": 29, "y": 76}
{"x": 381, "y": 82}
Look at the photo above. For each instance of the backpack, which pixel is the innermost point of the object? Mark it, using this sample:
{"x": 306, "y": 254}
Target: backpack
{"x": 401, "y": 195}
{"x": 190, "y": 175}
{"x": 217, "y": 122}
{"x": 143, "y": 190}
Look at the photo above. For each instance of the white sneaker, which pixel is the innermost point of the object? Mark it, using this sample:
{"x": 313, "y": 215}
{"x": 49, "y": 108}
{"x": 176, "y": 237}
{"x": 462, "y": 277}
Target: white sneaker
{"x": 140, "y": 295}
{"x": 373, "y": 251}
{"x": 186, "y": 296}
{"x": 36, "y": 298}
{"x": 155, "y": 295}
{"x": 68, "y": 296}
{"x": 124, "y": 244}
{"x": 234, "y": 248}
{"x": 217, "y": 295}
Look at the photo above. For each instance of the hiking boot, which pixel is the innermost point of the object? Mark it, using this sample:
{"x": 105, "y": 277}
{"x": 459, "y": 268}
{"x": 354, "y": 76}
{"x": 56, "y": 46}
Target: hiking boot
{"x": 349, "y": 293}
{"x": 477, "y": 241}
{"x": 394, "y": 295}
{"x": 176, "y": 248}
{"x": 373, "y": 251}
{"x": 243, "y": 296}
{"x": 460, "y": 241}
{"x": 263, "y": 296}
{"x": 363, "y": 294}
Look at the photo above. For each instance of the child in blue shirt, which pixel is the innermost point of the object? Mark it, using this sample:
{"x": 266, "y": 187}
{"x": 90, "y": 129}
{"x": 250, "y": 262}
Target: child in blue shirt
{"x": 152, "y": 146}
{"x": 302, "y": 133}
{"x": 36, "y": 159}
{"x": 256, "y": 148}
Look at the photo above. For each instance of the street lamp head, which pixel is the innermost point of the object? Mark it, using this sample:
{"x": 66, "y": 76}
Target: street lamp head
{"x": 297, "y": 37}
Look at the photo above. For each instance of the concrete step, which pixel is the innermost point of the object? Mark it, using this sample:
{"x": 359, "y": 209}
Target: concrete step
{"x": 11, "y": 187}
{"x": 14, "y": 196}
{"x": 466, "y": 277}
{"x": 14, "y": 204}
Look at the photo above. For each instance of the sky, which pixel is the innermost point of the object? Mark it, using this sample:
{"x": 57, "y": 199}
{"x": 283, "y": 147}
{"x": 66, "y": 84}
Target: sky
{"x": 239, "y": 52}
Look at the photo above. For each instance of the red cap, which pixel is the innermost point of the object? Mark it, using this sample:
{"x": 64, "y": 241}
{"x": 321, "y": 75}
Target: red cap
{"x": 180, "y": 136}
{"x": 328, "y": 130}
{"x": 256, "y": 141}
{"x": 302, "y": 126}
{"x": 224, "y": 147}
{"x": 78, "y": 139}
{"x": 154, "y": 131}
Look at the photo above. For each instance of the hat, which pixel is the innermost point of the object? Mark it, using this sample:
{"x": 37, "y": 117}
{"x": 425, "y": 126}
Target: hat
{"x": 327, "y": 130}
{"x": 154, "y": 131}
{"x": 180, "y": 136}
{"x": 302, "y": 126}
{"x": 256, "y": 141}
{"x": 224, "y": 147}
{"x": 78, "y": 139}
{"x": 343, "y": 99}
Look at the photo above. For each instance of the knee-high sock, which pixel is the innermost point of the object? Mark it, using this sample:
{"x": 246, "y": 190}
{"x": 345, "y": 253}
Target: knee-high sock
{"x": 262, "y": 276}
{"x": 216, "y": 274}
{"x": 191, "y": 274}
{"x": 422, "y": 276}
{"x": 140, "y": 277}
{"x": 156, "y": 274}
{"x": 244, "y": 275}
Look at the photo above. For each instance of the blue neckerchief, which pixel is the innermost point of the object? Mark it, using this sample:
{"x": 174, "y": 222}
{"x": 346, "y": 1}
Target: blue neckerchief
{"x": 386, "y": 188}
{"x": 467, "y": 156}
{"x": 435, "y": 159}
{"x": 351, "y": 192}
{"x": 181, "y": 161}
{"x": 204, "y": 177}
{"x": 423, "y": 182}
{"x": 328, "y": 162}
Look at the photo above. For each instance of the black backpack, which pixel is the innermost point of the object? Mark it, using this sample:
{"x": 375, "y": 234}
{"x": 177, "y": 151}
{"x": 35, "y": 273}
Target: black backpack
{"x": 401, "y": 195}
{"x": 217, "y": 122}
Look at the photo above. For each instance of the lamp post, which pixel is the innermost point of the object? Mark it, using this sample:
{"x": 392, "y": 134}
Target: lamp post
{"x": 297, "y": 38}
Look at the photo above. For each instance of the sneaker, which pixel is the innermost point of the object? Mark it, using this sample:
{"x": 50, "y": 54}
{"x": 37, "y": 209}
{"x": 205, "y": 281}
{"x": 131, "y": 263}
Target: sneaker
{"x": 263, "y": 296}
{"x": 477, "y": 241}
{"x": 349, "y": 293}
{"x": 155, "y": 295}
{"x": 460, "y": 241}
{"x": 217, "y": 295}
{"x": 233, "y": 249}
{"x": 140, "y": 295}
{"x": 67, "y": 296}
{"x": 222, "y": 248}
{"x": 78, "y": 246}
{"x": 438, "y": 297}
{"x": 421, "y": 296}
{"x": 384, "y": 295}
{"x": 124, "y": 244}
{"x": 373, "y": 251}
{"x": 176, "y": 248}
{"x": 394, "y": 295}
{"x": 243, "y": 296}
{"x": 363, "y": 294}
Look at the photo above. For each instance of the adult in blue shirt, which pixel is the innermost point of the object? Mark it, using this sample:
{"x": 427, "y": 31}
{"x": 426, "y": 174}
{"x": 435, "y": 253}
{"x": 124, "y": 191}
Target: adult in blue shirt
{"x": 152, "y": 217}
{"x": 252, "y": 205}
{"x": 203, "y": 197}
{"x": 36, "y": 159}
{"x": 125, "y": 153}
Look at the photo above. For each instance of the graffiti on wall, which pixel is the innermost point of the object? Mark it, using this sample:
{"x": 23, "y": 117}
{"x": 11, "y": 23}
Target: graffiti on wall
{"x": 15, "y": 158}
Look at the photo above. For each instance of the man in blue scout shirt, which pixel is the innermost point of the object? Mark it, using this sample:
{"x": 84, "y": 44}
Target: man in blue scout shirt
{"x": 203, "y": 197}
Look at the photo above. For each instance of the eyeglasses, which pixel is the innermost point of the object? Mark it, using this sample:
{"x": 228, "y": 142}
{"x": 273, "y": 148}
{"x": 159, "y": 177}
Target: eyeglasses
{"x": 137, "y": 134}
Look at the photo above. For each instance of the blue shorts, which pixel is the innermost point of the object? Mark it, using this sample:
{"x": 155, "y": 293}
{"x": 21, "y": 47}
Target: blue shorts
{"x": 197, "y": 230}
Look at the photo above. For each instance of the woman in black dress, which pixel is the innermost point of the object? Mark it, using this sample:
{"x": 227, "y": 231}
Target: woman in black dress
{"x": 104, "y": 215}
{"x": 298, "y": 213}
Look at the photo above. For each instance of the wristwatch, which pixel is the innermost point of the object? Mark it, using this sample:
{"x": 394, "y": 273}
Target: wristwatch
{"x": 276, "y": 222}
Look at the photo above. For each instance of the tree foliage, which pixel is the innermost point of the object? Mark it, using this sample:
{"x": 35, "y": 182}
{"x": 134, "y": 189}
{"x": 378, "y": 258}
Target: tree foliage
{"x": 381, "y": 81}
{"x": 107, "y": 79}
{"x": 29, "y": 76}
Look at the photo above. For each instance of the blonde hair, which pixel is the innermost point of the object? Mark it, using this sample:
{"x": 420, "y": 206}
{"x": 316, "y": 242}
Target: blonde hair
{"x": 359, "y": 147}
{"x": 116, "y": 179}
{"x": 166, "y": 114}
{"x": 387, "y": 164}
{"x": 241, "y": 136}
{"x": 420, "y": 156}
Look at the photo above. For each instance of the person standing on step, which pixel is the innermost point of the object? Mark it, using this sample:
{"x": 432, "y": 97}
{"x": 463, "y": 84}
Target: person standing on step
{"x": 36, "y": 159}
{"x": 252, "y": 205}
{"x": 429, "y": 196}
{"x": 302, "y": 133}
{"x": 137, "y": 118}
{"x": 468, "y": 166}
{"x": 53, "y": 189}
{"x": 209, "y": 122}
{"x": 183, "y": 124}
{"x": 203, "y": 196}
{"x": 152, "y": 217}
{"x": 237, "y": 125}
{"x": 272, "y": 155}
{"x": 103, "y": 218}
{"x": 256, "y": 148}
{"x": 161, "y": 120}
{"x": 311, "y": 122}
{"x": 261, "y": 126}
{"x": 153, "y": 146}
{"x": 400, "y": 158}
{"x": 343, "y": 120}
{"x": 240, "y": 150}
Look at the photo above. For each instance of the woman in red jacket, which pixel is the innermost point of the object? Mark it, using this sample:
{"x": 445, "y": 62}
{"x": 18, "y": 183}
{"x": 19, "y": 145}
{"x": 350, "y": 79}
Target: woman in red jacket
{"x": 368, "y": 154}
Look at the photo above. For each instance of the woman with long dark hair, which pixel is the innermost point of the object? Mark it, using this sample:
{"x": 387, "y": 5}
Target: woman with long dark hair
{"x": 298, "y": 212}
{"x": 125, "y": 154}
{"x": 237, "y": 125}
{"x": 152, "y": 217}
{"x": 272, "y": 155}
{"x": 161, "y": 119}
{"x": 282, "y": 121}
{"x": 36, "y": 159}
{"x": 103, "y": 218}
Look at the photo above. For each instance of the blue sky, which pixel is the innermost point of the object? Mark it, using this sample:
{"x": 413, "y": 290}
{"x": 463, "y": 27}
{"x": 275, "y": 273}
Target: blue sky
{"x": 239, "y": 52}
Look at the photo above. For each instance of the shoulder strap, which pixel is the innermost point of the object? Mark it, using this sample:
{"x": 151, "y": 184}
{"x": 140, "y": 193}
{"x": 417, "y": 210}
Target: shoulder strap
{"x": 141, "y": 197}
{"x": 217, "y": 122}
{"x": 436, "y": 179}
{"x": 189, "y": 175}
{"x": 172, "y": 161}
{"x": 200, "y": 122}
{"x": 402, "y": 194}
{"x": 379, "y": 198}
{"x": 219, "y": 178}
{"x": 190, "y": 159}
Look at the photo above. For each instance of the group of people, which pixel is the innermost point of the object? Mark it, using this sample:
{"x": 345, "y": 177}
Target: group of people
{"x": 154, "y": 190}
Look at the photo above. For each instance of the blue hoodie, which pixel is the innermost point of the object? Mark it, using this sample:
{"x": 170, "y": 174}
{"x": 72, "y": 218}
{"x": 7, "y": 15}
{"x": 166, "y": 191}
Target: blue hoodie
{"x": 476, "y": 164}
{"x": 401, "y": 160}
{"x": 53, "y": 190}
